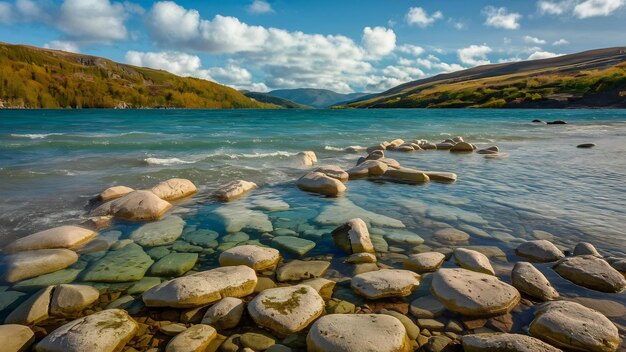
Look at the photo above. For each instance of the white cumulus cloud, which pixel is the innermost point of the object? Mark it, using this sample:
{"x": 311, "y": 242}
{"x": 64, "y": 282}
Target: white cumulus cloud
{"x": 475, "y": 55}
{"x": 533, "y": 40}
{"x": 501, "y": 18}
{"x": 542, "y": 55}
{"x": 63, "y": 45}
{"x": 418, "y": 16}
{"x": 378, "y": 41}
{"x": 560, "y": 42}
{"x": 411, "y": 49}
{"x": 592, "y": 8}
{"x": 260, "y": 7}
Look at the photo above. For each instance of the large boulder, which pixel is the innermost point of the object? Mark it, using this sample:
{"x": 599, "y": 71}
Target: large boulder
{"x": 70, "y": 237}
{"x": 159, "y": 233}
{"x": 24, "y": 265}
{"x": 306, "y": 158}
{"x": 539, "y": 251}
{"x": 529, "y": 280}
{"x": 353, "y": 237}
{"x": 462, "y": 147}
{"x": 68, "y": 299}
{"x": 574, "y": 327}
{"x": 114, "y": 192}
{"x": 368, "y": 168}
{"x": 406, "y": 175}
{"x": 473, "y": 294}
{"x": 129, "y": 263}
{"x": 358, "y": 333}
{"x": 105, "y": 331}
{"x": 591, "y": 272}
{"x": 499, "y": 342}
{"x": 174, "y": 188}
{"x": 385, "y": 283}
{"x": 256, "y": 257}
{"x": 234, "y": 190}
{"x": 334, "y": 171}
{"x": 202, "y": 288}
{"x": 286, "y": 310}
{"x": 195, "y": 339}
{"x": 426, "y": 262}
{"x": 134, "y": 206}
{"x": 16, "y": 338}
{"x": 224, "y": 314}
{"x": 32, "y": 311}
{"x": 472, "y": 260}
{"x": 318, "y": 182}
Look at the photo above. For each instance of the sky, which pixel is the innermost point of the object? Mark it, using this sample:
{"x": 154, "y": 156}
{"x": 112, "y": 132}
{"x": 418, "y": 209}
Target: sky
{"x": 346, "y": 46}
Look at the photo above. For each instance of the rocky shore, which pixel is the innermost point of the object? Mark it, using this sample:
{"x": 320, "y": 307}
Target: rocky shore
{"x": 250, "y": 283}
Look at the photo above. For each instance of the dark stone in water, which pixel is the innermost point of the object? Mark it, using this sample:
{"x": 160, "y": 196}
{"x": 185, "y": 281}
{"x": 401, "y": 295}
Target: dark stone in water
{"x": 557, "y": 122}
{"x": 537, "y": 121}
{"x": 586, "y": 145}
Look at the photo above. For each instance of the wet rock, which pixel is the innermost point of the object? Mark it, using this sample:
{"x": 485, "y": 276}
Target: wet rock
{"x": 257, "y": 257}
{"x": 539, "y": 251}
{"x": 159, "y": 233}
{"x": 462, "y": 147}
{"x": 557, "y": 122}
{"x": 444, "y": 146}
{"x": 359, "y": 258}
{"x": 491, "y": 150}
{"x": 538, "y": 121}
{"x": 174, "y": 264}
{"x": 105, "y": 331}
{"x": 585, "y": 145}
{"x": 64, "y": 276}
{"x": 135, "y": 206}
{"x": 297, "y": 270}
{"x": 424, "y": 262}
{"x": 318, "y": 182}
{"x": 403, "y": 237}
{"x": 527, "y": 279}
{"x": 451, "y": 236}
{"x": 195, "y": 339}
{"x": 172, "y": 329}
{"x": 307, "y": 158}
{"x": 571, "y": 326}
{"x": 33, "y": 310}
{"x": 473, "y": 260}
{"x": 70, "y": 237}
{"x": 235, "y": 217}
{"x": 114, "y": 192}
{"x": 16, "y": 338}
{"x": 368, "y": 168}
{"x": 323, "y": 286}
{"x": 337, "y": 306}
{"x": 406, "y": 175}
{"x": 591, "y": 272}
{"x": 224, "y": 314}
{"x": 68, "y": 299}
{"x": 426, "y": 307}
{"x": 342, "y": 210}
{"x": 440, "y": 176}
{"x": 299, "y": 246}
{"x": 24, "y": 265}
{"x": 286, "y": 310}
{"x": 127, "y": 264}
{"x": 586, "y": 248}
{"x": 620, "y": 265}
{"x": 505, "y": 343}
{"x": 173, "y": 189}
{"x": 412, "y": 330}
{"x": 335, "y": 172}
{"x": 234, "y": 190}
{"x": 257, "y": 341}
{"x": 353, "y": 237}
{"x": 385, "y": 283}
{"x": 473, "y": 294}
{"x": 202, "y": 288}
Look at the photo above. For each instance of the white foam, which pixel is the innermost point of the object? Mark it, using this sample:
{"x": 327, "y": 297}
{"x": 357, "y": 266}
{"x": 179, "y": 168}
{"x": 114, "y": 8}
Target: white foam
{"x": 339, "y": 149}
{"x": 35, "y": 135}
{"x": 166, "y": 161}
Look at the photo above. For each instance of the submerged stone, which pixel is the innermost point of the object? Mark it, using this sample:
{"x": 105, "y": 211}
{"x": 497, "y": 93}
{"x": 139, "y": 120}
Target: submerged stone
{"x": 127, "y": 264}
{"x": 159, "y": 233}
{"x": 64, "y": 276}
{"x": 403, "y": 237}
{"x": 302, "y": 269}
{"x": 234, "y": 217}
{"x": 295, "y": 245}
{"x": 539, "y": 251}
{"x": 174, "y": 264}
{"x": 385, "y": 283}
{"x": 234, "y": 190}
{"x": 591, "y": 272}
{"x": 342, "y": 210}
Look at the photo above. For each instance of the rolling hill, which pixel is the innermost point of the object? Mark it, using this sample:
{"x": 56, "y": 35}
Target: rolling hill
{"x": 266, "y": 98}
{"x": 317, "y": 98}
{"x": 590, "y": 79}
{"x": 42, "y": 78}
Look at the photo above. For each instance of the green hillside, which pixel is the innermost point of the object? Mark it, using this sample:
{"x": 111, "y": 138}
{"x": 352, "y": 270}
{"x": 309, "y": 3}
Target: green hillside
{"x": 594, "y": 78}
{"x": 41, "y": 78}
{"x": 317, "y": 98}
{"x": 266, "y": 98}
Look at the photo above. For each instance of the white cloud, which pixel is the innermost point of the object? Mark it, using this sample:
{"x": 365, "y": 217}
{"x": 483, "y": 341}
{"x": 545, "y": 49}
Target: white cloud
{"x": 501, "y": 18}
{"x": 555, "y": 7}
{"x": 458, "y": 24}
{"x": 561, "y": 42}
{"x": 474, "y": 55}
{"x": 509, "y": 59}
{"x": 542, "y": 55}
{"x": 592, "y": 8}
{"x": 533, "y": 40}
{"x": 418, "y": 16}
{"x": 6, "y": 13}
{"x": 411, "y": 49}
{"x": 260, "y": 7}
{"x": 506, "y": 40}
{"x": 434, "y": 63}
{"x": 378, "y": 41}
{"x": 62, "y": 45}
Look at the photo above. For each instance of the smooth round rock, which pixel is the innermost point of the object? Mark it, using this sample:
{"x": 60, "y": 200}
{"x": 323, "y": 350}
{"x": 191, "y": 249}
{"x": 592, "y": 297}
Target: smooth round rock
{"x": 318, "y": 182}
{"x": 195, "y": 339}
{"x": 159, "y": 233}
{"x": 135, "y": 206}
{"x": 32, "y": 311}
{"x": 473, "y": 260}
{"x": 353, "y": 237}
{"x": 529, "y": 280}
{"x": 426, "y": 307}
{"x": 114, "y": 192}
{"x": 586, "y": 248}
{"x": 16, "y": 338}
{"x": 286, "y": 310}
{"x": 234, "y": 190}
{"x": 473, "y": 294}
{"x": 425, "y": 262}
{"x": 585, "y": 145}
{"x": 496, "y": 342}
{"x": 385, "y": 283}
{"x": 24, "y": 265}
{"x": 572, "y": 326}
{"x": 301, "y": 269}
{"x": 358, "y": 333}
{"x": 359, "y": 258}
{"x": 173, "y": 189}
{"x": 257, "y": 257}
{"x": 462, "y": 147}
{"x": 334, "y": 171}
{"x": 68, "y": 298}
{"x": 70, "y": 237}
{"x": 451, "y": 236}
{"x": 224, "y": 314}
{"x": 591, "y": 272}
{"x": 539, "y": 251}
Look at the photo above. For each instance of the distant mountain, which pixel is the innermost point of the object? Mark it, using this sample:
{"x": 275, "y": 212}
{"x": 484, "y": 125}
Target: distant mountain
{"x": 266, "y": 98}
{"x": 317, "y": 98}
{"x": 591, "y": 79}
{"x": 43, "y": 78}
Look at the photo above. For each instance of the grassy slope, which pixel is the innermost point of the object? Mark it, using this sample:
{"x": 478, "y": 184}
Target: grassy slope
{"x": 317, "y": 98}
{"x": 591, "y": 79}
{"x": 266, "y": 98}
{"x": 41, "y": 78}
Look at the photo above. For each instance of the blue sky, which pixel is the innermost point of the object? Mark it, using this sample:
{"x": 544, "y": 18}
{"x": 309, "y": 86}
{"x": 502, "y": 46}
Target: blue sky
{"x": 340, "y": 45}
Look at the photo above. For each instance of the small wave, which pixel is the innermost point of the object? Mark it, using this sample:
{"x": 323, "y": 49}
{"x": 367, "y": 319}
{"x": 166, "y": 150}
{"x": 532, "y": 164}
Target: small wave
{"x": 35, "y": 135}
{"x": 166, "y": 161}
{"x": 261, "y": 155}
{"x": 346, "y": 149}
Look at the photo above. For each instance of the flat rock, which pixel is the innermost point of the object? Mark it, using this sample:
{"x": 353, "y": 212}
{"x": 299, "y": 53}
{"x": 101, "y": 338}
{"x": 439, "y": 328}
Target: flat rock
{"x": 127, "y": 264}
{"x": 68, "y": 299}
{"x": 368, "y": 168}
{"x": 440, "y": 176}
{"x": 539, "y": 251}
{"x": 224, "y": 314}
{"x": 323, "y": 286}
{"x": 257, "y": 257}
{"x": 426, "y": 307}
{"x": 334, "y": 171}
{"x": 159, "y": 233}
{"x": 318, "y": 182}
{"x": 462, "y": 147}
{"x": 234, "y": 190}
{"x": 359, "y": 258}
{"x": 591, "y": 272}
{"x": 504, "y": 343}
{"x": 451, "y": 236}
{"x": 473, "y": 294}
{"x": 425, "y": 262}
{"x": 295, "y": 245}
{"x": 202, "y": 288}
{"x": 106, "y": 331}
{"x": 33, "y": 310}
{"x": 529, "y": 280}
{"x": 412, "y": 330}
{"x": 286, "y": 310}
{"x": 297, "y": 270}
{"x": 235, "y": 217}
{"x": 574, "y": 327}
{"x": 143, "y": 285}
{"x": 195, "y": 339}
{"x": 403, "y": 237}
{"x": 135, "y": 206}
{"x": 353, "y": 237}
{"x": 114, "y": 192}
{"x": 64, "y": 276}
{"x": 586, "y": 248}
{"x": 385, "y": 283}
{"x": 342, "y": 210}
{"x": 407, "y": 175}
{"x": 70, "y": 237}
{"x": 358, "y": 333}
{"x": 473, "y": 260}
{"x": 16, "y": 338}
{"x": 174, "y": 188}
{"x": 174, "y": 264}
{"x": 24, "y": 265}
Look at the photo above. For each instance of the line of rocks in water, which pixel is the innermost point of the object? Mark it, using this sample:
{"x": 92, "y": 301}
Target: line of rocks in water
{"x": 255, "y": 301}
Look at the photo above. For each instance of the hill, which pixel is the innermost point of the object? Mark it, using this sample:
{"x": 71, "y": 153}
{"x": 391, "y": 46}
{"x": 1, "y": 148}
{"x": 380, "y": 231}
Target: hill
{"x": 317, "y": 98}
{"x": 43, "y": 78}
{"x": 591, "y": 79}
{"x": 266, "y": 98}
